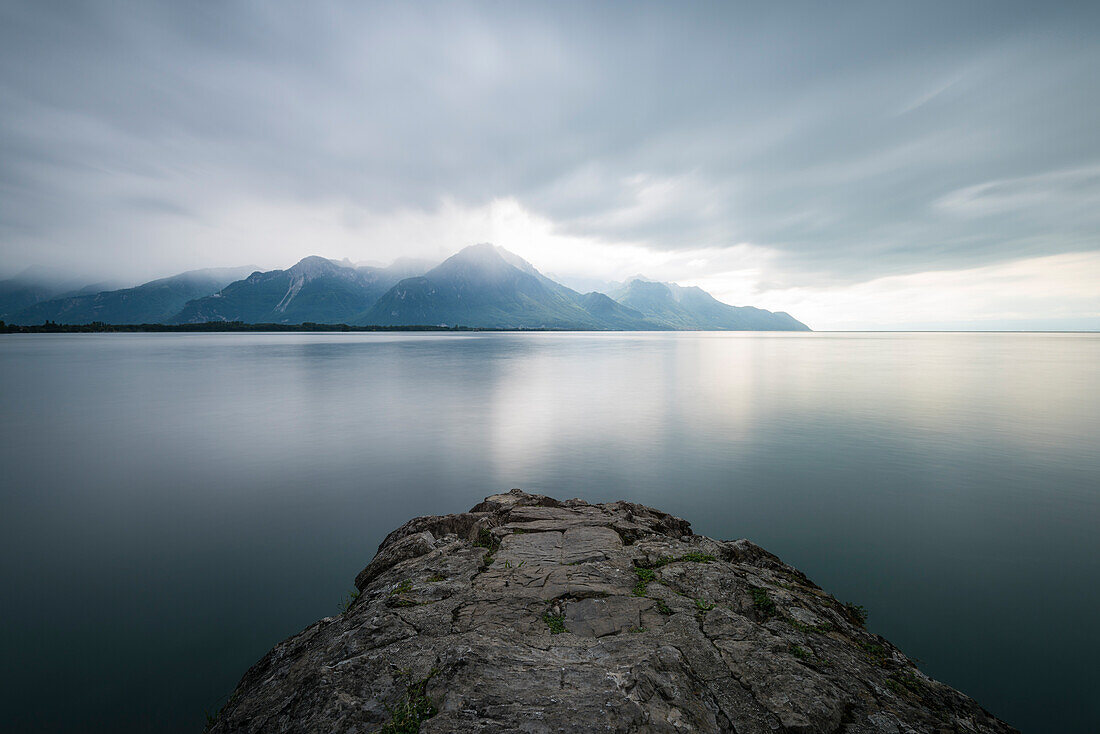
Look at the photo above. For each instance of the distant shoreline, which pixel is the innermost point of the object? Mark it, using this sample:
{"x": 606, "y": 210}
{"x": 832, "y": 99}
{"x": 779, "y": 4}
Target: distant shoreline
{"x": 220, "y": 326}
{"x": 223, "y": 327}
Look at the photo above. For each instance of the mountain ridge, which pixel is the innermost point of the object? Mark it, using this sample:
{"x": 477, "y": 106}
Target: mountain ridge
{"x": 481, "y": 286}
{"x": 152, "y": 302}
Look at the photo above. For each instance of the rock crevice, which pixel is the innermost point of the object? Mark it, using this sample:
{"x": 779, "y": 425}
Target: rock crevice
{"x": 538, "y": 615}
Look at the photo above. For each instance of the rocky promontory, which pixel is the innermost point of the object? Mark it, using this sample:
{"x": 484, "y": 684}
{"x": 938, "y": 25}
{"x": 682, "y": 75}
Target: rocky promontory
{"x": 531, "y": 614}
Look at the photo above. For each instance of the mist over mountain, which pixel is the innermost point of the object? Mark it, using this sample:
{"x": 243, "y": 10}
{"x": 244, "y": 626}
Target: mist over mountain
{"x": 154, "y": 302}
{"x": 36, "y": 284}
{"x": 487, "y": 286}
{"x": 481, "y": 286}
{"x": 675, "y": 307}
{"x": 315, "y": 289}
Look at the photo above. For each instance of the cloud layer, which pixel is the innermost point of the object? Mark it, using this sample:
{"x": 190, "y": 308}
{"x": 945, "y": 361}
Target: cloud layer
{"x": 766, "y": 148}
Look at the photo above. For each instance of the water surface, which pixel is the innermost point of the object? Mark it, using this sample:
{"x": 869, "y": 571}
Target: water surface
{"x": 174, "y": 504}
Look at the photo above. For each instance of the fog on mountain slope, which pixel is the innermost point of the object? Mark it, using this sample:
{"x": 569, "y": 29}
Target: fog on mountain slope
{"x": 314, "y": 290}
{"x": 481, "y": 286}
{"x": 487, "y": 286}
{"x": 151, "y": 303}
{"x": 676, "y": 307}
{"x": 36, "y": 284}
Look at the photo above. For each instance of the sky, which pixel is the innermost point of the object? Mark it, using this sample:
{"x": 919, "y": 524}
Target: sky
{"x": 860, "y": 165}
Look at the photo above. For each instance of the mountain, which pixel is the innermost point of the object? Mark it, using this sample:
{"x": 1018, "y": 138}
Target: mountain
{"x": 151, "y": 303}
{"x": 482, "y": 286}
{"x": 31, "y": 286}
{"x": 487, "y": 286}
{"x": 672, "y": 306}
{"x": 315, "y": 290}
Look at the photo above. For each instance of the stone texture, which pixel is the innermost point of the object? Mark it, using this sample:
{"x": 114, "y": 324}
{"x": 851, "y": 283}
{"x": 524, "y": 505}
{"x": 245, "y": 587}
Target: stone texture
{"x": 665, "y": 631}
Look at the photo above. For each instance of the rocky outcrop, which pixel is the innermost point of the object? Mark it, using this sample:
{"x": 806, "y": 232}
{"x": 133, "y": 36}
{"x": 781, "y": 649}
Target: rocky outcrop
{"x": 533, "y": 615}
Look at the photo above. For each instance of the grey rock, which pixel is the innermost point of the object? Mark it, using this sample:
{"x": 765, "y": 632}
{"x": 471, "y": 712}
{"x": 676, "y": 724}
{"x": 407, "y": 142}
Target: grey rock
{"x": 531, "y": 614}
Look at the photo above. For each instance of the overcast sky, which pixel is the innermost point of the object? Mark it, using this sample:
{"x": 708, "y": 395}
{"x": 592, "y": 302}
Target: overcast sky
{"x": 860, "y": 165}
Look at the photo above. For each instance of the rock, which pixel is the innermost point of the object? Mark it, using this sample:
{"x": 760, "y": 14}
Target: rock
{"x": 536, "y": 615}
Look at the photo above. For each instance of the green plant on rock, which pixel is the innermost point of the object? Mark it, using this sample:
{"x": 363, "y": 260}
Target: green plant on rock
{"x": 855, "y": 613}
{"x": 876, "y": 652}
{"x": 696, "y": 557}
{"x": 762, "y": 601}
{"x": 412, "y": 709}
{"x": 402, "y": 588}
{"x": 800, "y": 653}
{"x": 906, "y": 681}
{"x": 807, "y": 628}
{"x": 691, "y": 557}
{"x": 556, "y": 623}
{"x": 436, "y": 578}
{"x": 486, "y": 539}
{"x": 663, "y": 608}
{"x": 703, "y": 606}
{"x": 396, "y": 599}
{"x": 349, "y": 600}
{"x": 645, "y": 577}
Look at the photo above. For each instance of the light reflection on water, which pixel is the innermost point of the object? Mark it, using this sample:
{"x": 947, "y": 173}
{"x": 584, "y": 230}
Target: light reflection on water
{"x": 173, "y": 505}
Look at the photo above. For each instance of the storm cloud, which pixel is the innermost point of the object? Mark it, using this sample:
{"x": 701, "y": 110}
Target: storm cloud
{"x": 841, "y": 143}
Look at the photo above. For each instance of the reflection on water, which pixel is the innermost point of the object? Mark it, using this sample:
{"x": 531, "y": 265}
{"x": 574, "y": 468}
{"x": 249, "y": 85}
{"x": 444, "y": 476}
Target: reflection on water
{"x": 173, "y": 505}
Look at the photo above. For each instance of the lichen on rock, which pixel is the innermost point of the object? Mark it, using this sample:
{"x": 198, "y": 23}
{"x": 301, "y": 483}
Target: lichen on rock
{"x": 610, "y": 617}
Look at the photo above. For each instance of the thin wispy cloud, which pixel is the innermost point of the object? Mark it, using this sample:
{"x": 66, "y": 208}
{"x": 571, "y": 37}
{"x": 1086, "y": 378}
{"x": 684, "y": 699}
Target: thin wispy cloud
{"x": 839, "y": 145}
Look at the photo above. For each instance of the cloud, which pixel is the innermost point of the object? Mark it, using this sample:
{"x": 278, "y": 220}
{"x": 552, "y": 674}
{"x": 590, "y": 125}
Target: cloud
{"x": 1053, "y": 292}
{"x": 836, "y": 144}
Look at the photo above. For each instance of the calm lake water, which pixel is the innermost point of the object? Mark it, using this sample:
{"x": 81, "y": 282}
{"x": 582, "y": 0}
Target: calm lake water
{"x": 173, "y": 505}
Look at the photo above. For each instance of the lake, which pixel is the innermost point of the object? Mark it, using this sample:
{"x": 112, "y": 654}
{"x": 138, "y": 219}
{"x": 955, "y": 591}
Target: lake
{"x": 172, "y": 505}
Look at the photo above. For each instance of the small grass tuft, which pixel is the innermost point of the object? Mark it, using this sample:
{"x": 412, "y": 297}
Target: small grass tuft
{"x": 877, "y": 653}
{"x": 703, "y": 606}
{"x": 435, "y": 578}
{"x": 556, "y": 623}
{"x": 696, "y": 557}
{"x": 855, "y": 613}
{"x": 808, "y": 628}
{"x": 412, "y": 709}
{"x": 800, "y": 653}
{"x": 762, "y": 602}
{"x": 394, "y": 598}
{"x": 346, "y": 604}
{"x": 692, "y": 557}
{"x": 663, "y": 608}
{"x": 486, "y": 539}
{"x": 645, "y": 577}
{"x": 912, "y": 683}
{"x": 402, "y": 588}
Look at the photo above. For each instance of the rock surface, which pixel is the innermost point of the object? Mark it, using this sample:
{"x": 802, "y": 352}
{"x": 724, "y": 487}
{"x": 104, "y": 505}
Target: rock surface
{"x": 529, "y": 614}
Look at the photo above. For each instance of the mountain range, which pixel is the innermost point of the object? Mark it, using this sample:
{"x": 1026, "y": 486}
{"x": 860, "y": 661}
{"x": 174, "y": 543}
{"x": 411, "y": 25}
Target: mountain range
{"x": 157, "y": 301}
{"x": 481, "y": 286}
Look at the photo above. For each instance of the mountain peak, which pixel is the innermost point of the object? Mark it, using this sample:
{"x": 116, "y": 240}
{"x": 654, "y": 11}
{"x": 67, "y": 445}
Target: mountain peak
{"x": 484, "y": 252}
{"x": 313, "y": 266}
